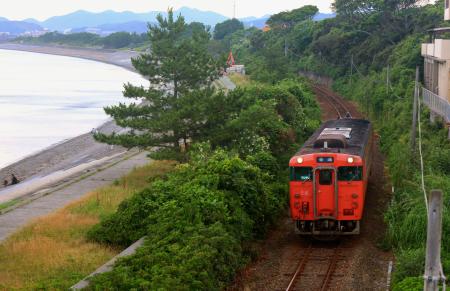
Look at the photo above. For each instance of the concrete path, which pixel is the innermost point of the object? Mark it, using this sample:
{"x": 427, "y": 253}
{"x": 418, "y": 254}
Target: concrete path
{"x": 227, "y": 83}
{"x": 108, "y": 266}
{"x": 11, "y": 221}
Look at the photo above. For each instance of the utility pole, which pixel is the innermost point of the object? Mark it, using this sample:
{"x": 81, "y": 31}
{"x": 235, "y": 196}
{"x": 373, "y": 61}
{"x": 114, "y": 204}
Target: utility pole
{"x": 285, "y": 48}
{"x": 351, "y": 71}
{"x": 433, "y": 268}
{"x": 387, "y": 79}
{"x": 414, "y": 120}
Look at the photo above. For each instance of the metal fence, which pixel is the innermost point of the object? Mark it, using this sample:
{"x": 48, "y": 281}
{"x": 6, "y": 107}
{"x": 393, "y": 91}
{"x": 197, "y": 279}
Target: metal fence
{"x": 437, "y": 104}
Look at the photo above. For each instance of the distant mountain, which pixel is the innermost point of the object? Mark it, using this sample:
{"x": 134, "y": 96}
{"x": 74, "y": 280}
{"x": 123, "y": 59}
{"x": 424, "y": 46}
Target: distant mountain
{"x": 32, "y": 20}
{"x": 109, "y": 21}
{"x": 255, "y": 22}
{"x": 105, "y": 29}
{"x": 83, "y": 18}
{"x": 18, "y": 27}
{"x": 322, "y": 16}
{"x": 206, "y": 17}
{"x": 261, "y": 22}
{"x": 258, "y": 22}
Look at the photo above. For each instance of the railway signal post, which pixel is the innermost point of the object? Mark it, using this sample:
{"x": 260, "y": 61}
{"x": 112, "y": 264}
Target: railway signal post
{"x": 433, "y": 268}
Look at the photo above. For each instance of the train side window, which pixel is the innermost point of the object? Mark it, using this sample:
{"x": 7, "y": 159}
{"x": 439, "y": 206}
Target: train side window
{"x": 302, "y": 174}
{"x": 350, "y": 173}
{"x": 325, "y": 177}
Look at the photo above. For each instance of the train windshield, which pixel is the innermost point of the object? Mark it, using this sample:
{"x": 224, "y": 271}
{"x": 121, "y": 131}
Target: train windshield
{"x": 350, "y": 173}
{"x": 301, "y": 174}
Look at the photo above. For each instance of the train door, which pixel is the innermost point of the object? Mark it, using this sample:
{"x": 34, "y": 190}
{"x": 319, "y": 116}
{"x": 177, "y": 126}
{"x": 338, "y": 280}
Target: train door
{"x": 325, "y": 193}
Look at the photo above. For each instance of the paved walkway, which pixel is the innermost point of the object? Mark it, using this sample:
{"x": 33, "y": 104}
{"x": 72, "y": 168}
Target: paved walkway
{"x": 227, "y": 83}
{"x": 11, "y": 221}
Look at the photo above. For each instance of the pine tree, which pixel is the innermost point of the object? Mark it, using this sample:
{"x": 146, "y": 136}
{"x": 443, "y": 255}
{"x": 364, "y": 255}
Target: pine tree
{"x": 179, "y": 68}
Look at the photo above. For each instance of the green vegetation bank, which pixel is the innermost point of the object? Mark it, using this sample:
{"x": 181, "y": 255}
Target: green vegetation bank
{"x": 368, "y": 43}
{"x": 231, "y": 186}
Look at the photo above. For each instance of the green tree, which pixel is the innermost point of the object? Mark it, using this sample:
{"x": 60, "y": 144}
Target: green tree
{"x": 178, "y": 68}
{"x": 288, "y": 19}
{"x": 227, "y": 27}
{"x": 117, "y": 40}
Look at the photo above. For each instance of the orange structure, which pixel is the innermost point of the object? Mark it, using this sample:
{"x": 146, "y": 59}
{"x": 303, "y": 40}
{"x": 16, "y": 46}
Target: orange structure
{"x": 230, "y": 60}
{"x": 328, "y": 178}
{"x": 266, "y": 28}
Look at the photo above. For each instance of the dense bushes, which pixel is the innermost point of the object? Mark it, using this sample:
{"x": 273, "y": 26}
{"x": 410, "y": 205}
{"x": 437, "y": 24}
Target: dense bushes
{"x": 391, "y": 111}
{"x": 113, "y": 41}
{"x": 200, "y": 220}
{"x": 266, "y": 117}
{"x": 356, "y": 49}
{"x": 197, "y": 223}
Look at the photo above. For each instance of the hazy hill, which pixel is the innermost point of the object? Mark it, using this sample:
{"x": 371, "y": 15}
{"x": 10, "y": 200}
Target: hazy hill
{"x": 109, "y": 21}
{"x": 83, "y": 18}
{"x": 321, "y": 16}
{"x": 260, "y": 22}
{"x": 18, "y": 27}
{"x": 132, "y": 26}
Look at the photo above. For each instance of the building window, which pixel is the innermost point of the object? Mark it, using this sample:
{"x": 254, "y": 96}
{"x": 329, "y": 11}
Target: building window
{"x": 447, "y": 4}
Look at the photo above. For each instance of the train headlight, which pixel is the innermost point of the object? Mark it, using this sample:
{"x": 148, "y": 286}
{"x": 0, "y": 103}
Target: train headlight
{"x": 350, "y": 160}
{"x": 299, "y": 160}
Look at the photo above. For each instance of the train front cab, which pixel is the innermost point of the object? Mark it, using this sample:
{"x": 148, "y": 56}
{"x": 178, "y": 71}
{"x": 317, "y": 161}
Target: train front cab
{"x": 327, "y": 193}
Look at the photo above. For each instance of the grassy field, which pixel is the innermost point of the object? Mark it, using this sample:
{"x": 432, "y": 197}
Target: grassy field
{"x": 240, "y": 80}
{"x": 52, "y": 252}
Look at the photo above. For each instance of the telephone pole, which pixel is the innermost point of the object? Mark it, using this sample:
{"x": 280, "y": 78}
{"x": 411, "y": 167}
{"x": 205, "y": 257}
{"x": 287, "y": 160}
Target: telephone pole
{"x": 414, "y": 119}
{"x": 351, "y": 71}
{"x": 387, "y": 79}
{"x": 433, "y": 268}
{"x": 285, "y": 48}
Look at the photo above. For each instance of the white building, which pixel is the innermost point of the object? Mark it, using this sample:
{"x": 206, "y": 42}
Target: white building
{"x": 447, "y": 10}
{"x": 436, "y": 53}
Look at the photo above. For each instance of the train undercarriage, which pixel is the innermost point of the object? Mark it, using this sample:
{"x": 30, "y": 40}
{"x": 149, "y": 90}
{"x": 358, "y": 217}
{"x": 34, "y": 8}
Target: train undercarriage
{"x": 325, "y": 227}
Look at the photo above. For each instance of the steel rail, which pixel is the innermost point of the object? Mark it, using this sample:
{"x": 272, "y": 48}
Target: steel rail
{"x": 327, "y": 277}
{"x": 331, "y": 269}
{"x": 300, "y": 269}
{"x": 334, "y": 101}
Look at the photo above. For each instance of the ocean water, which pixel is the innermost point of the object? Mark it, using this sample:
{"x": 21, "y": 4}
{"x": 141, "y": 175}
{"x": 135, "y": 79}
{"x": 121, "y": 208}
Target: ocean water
{"x": 46, "y": 99}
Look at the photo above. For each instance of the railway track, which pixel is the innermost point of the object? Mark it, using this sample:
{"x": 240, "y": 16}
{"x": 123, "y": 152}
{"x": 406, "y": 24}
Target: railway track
{"x": 335, "y": 101}
{"x": 317, "y": 267}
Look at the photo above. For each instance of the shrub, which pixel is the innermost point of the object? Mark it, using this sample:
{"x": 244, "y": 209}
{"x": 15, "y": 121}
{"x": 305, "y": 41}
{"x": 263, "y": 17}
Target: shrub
{"x": 197, "y": 223}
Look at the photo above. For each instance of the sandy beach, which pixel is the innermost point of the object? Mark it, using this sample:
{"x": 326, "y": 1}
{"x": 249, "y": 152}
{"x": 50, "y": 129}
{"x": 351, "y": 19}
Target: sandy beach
{"x": 77, "y": 150}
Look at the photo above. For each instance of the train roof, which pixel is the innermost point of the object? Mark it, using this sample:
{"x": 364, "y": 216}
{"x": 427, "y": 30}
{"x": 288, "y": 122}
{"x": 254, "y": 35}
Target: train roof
{"x": 348, "y": 136}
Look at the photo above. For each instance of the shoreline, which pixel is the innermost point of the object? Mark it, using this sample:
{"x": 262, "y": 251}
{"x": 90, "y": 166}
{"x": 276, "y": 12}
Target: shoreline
{"x": 79, "y": 149}
{"x": 108, "y": 56}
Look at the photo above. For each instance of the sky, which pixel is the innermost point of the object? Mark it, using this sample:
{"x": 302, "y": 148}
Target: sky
{"x": 43, "y": 9}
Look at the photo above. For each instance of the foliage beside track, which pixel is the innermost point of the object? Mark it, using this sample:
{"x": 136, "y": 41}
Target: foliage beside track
{"x": 200, "y": 222}
{"x": 372, "y": 35}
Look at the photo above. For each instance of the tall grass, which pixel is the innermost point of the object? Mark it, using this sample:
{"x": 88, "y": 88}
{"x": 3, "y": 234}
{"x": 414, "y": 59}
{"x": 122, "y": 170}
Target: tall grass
{"x": 53, "y": 253}
{"x": 240, "y": 80}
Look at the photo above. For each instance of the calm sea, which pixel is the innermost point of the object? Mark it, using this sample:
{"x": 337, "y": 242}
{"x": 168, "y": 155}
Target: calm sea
{"x": 46, "y": 99}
